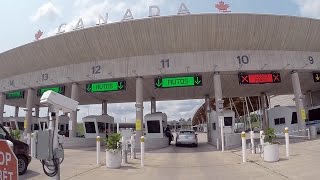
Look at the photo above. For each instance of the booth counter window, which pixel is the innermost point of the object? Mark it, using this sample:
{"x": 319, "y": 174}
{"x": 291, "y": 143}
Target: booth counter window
{"x": 294, "y": 118}
{"x": 153, "y": 126}
{"x": 90, "y": 127}
{"x": 227, "y": 121}
{"x": 21, "y": 125}
{"x": 101, "y": 127}
{"x": 35, "y": 127}
{"x": 279, "y": 121}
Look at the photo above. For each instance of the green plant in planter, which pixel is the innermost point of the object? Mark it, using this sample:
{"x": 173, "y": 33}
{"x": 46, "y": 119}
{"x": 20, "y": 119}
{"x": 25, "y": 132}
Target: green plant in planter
{"x": 113, "y": 142}
{"x": 270, "y": 135}
{"x": 15, "y": 134}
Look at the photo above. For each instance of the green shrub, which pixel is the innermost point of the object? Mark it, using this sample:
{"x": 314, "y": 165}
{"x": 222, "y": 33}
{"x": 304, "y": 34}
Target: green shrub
{"x": 113, "y": 142}
{"x": 270, "y": 135}
{"x": 15, "y": 134}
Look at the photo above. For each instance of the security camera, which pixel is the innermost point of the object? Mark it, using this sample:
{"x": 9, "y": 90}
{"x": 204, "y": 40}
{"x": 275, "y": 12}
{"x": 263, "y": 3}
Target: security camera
{"x": 58, "y": 102}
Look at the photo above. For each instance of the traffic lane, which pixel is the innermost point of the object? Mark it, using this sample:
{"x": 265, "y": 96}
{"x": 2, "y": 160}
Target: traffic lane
{"x": 75, "y": 162}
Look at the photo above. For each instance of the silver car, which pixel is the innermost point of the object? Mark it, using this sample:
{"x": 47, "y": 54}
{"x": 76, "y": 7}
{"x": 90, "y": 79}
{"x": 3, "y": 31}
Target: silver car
{"x": 187, "y": 137}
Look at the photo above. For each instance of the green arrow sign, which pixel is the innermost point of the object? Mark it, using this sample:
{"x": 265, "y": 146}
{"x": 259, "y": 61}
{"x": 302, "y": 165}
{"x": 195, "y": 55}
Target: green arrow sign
{"x": 184, "y": 81}
{"x": 57, "y": 89}
{"x": 15, "y": 95}
{"x": 106, "y": 86}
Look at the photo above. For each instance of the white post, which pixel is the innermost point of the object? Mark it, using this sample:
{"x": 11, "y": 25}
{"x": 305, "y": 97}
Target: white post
{"x": 142, "y": 151}
{"x": 308, "y": 131}
{"x": 124, "y": 154}
{"x": 286, "y": 135}
{"x": 98, "y": 150}
{"x": 133, "y": 144}
{"x": 252, "y": 142}
{"x": 243, "y": 138}
{"x": 32, "y": 146}
{"x": 217, "y": 143}
{"x": 29, "y": 139}
{"x": 118, "y": 131}
{"x": 261, "y": 137}
{"x": 222, "y": 133}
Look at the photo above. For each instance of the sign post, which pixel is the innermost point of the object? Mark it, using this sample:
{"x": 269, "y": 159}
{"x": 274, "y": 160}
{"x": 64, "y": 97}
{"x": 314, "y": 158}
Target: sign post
{"x": 8, "y": 162}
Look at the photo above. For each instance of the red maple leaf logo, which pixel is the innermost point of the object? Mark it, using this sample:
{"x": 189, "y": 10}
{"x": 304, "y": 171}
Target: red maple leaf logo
{"x": 38, "y": 35}
{"x": 222, "y": 7}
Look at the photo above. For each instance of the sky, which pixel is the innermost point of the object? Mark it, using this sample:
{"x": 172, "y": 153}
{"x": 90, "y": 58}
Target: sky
{"x": 21, "y": 19}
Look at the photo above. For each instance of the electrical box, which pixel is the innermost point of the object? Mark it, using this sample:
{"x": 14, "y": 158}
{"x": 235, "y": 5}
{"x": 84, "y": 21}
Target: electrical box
{"x": 43, "y": 144}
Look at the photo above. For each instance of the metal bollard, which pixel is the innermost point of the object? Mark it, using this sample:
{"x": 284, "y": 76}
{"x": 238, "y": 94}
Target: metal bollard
{"x": 142, "y": 151}
{"x": 118, "y": 130}
{"x": 98, "y": 149}
{"x": 29, "y": 139}
{"x": 222, "y": 134}
{"x": 124, "y": 151}
{"x": 217, "y": 143}
{"x": 286, "y": 135}
{"x": 261, "y": 137}
{"x": 243, "y": 138}
{"x": 252, "y": 142}
{"x": 261, "y": 141}
{"x": 308, "y": 132}
{"x": 32, "y": 146}
{"x": 133, "y": 144}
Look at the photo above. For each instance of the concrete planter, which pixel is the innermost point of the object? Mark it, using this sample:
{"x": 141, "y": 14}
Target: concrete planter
{"x": 113, "y": 159}
{"x": 271, "y": 152}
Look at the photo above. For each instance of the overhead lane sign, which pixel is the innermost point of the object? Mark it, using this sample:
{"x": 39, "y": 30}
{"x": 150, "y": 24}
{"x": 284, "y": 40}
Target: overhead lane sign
{"x": 316, "y": 77}
{"x": 261, "y": 78}
{"x": 57, "y": 89}
{"x": 15, "y": 95}
{"x": 183, "y": 81}
{"x": 106, "y": 86}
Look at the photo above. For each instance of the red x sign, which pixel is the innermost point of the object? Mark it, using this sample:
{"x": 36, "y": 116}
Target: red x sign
{"x": 276, "y": 77}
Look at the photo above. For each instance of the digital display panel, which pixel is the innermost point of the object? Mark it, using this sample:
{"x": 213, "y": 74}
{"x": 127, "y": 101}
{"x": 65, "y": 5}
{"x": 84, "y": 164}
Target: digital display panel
{"x": 106, "y": 86}
{"x": 57, "y": 89}
{"x": 316, "y": 77}
{"x": 171, "y": 82}
{"x": 15, "y": 95}
{"x": 259, "y": 78}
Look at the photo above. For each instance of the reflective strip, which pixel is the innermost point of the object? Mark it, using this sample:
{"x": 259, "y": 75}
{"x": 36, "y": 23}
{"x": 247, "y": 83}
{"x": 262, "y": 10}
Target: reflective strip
{"x": 243, "y": 135}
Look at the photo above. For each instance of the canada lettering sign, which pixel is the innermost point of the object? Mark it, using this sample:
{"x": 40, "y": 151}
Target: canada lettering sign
{"x": 259, "y": 78}
{"x": 8, "y": 162}
{"x": 183, "y": 81}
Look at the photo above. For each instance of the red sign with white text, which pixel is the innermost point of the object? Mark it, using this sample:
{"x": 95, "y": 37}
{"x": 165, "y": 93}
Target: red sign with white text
{"x": 8, "y": 162}
{"x": 259, "y": 78}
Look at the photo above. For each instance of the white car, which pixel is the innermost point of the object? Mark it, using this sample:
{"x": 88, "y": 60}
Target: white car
{"x": 187, "y": 137}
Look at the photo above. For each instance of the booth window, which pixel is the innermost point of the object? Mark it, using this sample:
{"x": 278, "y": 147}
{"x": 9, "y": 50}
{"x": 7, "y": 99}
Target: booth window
{"x": 227, "y": 121}
{"x": 13, "y": 125}
{"x": 294, "y": 118}
{"x": 35, "y": 127}
{"x": 45, "y": 125}
{"x": 21, "y": 125}
{"x": 214, "y": 126}
{"x": 153, "y": 126}
{"x": 90, "y": 128}
{"x": 67, "y": 127}
{"x": 101, "y": 127}
{"x": 314, "y": 114}
{"x": 279, "y": 121}
{"x": 61, "y": 127}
